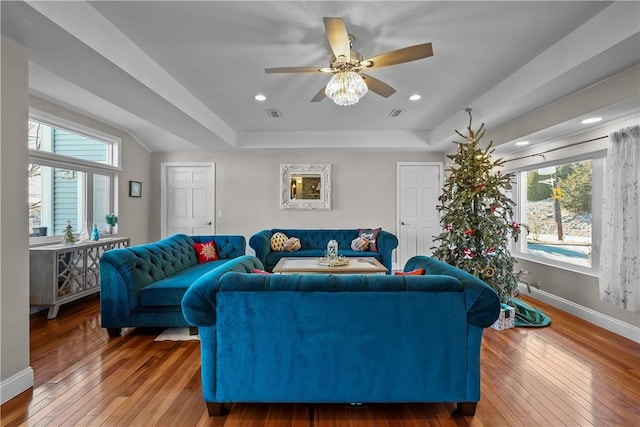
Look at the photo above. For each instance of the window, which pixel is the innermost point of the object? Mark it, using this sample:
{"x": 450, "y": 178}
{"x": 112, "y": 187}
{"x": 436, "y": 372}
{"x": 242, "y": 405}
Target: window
{"x": 72, "y": 177}
{"x": 556, "y": 207}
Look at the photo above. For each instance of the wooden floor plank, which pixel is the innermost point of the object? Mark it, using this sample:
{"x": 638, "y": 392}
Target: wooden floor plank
{"x": 571, "y": 373}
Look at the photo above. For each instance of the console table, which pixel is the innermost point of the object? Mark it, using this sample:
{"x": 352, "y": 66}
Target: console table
{"x": 62, "y": 273}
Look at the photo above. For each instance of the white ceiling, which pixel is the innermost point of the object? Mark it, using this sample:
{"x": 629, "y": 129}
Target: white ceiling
{"x": 181, "y": 76}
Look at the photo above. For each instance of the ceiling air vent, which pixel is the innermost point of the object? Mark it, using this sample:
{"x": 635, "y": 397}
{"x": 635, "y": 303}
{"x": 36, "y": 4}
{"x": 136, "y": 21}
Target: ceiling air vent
{"x": 273, "y": 113}
{"x": 395, "y": 112}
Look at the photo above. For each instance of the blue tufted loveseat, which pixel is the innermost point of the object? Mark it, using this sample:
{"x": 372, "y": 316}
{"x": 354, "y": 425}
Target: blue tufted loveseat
{"x": 143, "y": 285}
{"x": 323, "y": 338}
{"x": 313, "y": 243}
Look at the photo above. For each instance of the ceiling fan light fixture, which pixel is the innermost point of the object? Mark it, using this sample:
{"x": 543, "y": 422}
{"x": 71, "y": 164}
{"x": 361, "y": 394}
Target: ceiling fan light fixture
{"x": 346, "y": 88}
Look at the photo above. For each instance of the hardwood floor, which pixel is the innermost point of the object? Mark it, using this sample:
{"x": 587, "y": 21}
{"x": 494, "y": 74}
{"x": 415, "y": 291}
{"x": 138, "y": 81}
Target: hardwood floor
{"x": 568, "y": 374}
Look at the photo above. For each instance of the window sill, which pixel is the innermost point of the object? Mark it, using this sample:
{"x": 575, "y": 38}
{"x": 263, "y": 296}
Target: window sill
{"x": 587, "y": 271}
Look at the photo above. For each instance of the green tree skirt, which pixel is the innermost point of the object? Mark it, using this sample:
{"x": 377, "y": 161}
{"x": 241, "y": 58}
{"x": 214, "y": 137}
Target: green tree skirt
{"x": 529, "y": 316}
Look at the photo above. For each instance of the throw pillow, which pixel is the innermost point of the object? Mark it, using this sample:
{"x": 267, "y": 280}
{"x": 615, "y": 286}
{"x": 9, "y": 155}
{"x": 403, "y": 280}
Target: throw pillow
{"x": 206, "y": 251}
{"x": 277, "y": 242}
{"x": 292, "y": 244}
{"x": 359, "y": 244}
{"x": 416, "y": 272}
{"x": 370, "y": 234}
{"x": 258, "y": 271}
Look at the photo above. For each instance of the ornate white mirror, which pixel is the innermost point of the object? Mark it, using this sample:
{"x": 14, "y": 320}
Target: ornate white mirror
{"x": 305, "y": 186}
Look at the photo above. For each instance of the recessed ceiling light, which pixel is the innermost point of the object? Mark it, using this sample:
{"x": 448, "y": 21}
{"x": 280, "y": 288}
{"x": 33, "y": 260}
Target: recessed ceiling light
{"x": 522, "y": 143}
{"x": 415, "y": 97}
{"x": 591, "y": 120}
{"x": 260, "y": 97}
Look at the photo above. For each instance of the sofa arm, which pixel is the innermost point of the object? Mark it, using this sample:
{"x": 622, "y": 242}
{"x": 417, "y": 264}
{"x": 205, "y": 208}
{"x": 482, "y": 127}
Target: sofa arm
{"x": 483, "y": 303}
{"x": 199, "y": 302}
{"x": 261, "y": 243}
{"x": 386, "y": 243}
{"x": 118, "y": 293}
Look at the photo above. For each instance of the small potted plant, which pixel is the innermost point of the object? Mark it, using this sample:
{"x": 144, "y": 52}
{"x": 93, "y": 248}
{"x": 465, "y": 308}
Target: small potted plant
{"x": 112, "y": 220}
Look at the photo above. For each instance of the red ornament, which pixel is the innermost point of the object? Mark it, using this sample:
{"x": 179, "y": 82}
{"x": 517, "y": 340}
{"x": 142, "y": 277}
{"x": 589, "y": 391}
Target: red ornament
{"x": 467, "y": 253}
{"x": 469, "y": 232}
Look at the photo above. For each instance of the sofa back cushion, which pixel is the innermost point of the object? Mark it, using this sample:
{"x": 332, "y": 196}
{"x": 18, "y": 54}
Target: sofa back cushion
{"x": 147, "y": 263}
{"x": 318, "y": 238}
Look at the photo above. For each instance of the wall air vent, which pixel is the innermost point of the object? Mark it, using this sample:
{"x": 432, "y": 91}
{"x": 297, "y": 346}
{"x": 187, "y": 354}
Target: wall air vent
{"x": 273, "y": 113}
{"x": 395, "y": 112}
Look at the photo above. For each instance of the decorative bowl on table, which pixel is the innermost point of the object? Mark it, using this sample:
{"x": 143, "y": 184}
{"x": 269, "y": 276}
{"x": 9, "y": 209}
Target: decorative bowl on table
{"x": 340, "y": 261}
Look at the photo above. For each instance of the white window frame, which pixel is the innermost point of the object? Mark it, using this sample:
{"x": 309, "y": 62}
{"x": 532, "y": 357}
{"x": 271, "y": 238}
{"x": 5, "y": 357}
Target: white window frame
{"x": 596, "y": 154}
{"x": 89, "y": 168}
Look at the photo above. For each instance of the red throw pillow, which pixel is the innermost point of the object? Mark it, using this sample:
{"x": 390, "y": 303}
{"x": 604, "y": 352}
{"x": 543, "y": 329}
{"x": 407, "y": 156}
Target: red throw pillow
{"x": 416, "y": 272}
{"x": 371, "y": 235}
{"x": 258, "y": 271}
{"x": 206, "y": 251}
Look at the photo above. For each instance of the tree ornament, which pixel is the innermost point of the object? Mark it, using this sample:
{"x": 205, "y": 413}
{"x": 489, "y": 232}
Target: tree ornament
{"x": 489, "y": 271}
{"x": 67, "y": 236}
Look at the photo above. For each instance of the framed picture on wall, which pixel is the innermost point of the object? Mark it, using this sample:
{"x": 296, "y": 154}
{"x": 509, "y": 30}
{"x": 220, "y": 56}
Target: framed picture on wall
{"x": 135, "y": 189}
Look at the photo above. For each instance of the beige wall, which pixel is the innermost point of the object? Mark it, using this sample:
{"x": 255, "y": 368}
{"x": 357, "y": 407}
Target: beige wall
{"x": 248, "y": 184}
{"x": 16, "y": 375}
{"x": 572, "y": 289}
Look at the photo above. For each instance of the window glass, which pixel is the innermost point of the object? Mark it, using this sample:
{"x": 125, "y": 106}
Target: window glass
{"x": 556, "y": 209}
{"x": 100, "y": 201}
{"x": 51, "y": 139}
{"x": 56, "y": 196}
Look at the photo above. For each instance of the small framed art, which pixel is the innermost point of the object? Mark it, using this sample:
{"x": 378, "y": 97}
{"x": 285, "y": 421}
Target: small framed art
{"x": 135, "y": 189}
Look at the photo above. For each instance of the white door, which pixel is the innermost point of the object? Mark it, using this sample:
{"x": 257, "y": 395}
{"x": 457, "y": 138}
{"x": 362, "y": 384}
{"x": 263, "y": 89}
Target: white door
{"x": 188, "y": 198}
{"x": 419, "y": 186}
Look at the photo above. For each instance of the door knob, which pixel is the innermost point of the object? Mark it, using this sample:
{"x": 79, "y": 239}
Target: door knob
{"x": 209, "y": 223}
{"x": 403, "y": 223}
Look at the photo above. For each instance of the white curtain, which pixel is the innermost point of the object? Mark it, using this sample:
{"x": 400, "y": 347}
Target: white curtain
{"x": 620, "y": 251}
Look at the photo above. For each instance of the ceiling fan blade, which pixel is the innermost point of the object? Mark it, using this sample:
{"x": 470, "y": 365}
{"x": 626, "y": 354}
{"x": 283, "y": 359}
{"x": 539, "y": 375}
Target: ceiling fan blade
{"x": 338, "y": 37}
{"x": 378, "y": 86}
{"x": 399, "y": 56}
{"x": 292, "y": 70}
{"x": 319, "y": 96}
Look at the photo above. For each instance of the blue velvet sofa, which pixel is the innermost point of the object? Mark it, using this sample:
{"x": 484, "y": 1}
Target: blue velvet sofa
{"x": 314, "y": 244}
{"x": 143, "y": 285}
{"x": 323, "y": 338}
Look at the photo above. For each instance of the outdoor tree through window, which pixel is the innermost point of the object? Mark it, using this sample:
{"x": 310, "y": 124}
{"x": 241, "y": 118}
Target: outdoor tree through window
{"x": 557, "y": 212}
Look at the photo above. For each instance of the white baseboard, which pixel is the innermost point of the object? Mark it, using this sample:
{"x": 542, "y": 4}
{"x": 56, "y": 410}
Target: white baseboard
{"x": 16, "y": 384}
{"x": 607, "y": 322}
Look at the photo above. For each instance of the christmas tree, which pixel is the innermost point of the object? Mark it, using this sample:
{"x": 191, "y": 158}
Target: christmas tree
{"x": 67, "y": 236}
{"x": 477, "y": 216}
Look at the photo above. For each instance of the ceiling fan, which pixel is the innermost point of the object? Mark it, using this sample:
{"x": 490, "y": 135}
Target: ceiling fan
{"x": 349, "y": 83}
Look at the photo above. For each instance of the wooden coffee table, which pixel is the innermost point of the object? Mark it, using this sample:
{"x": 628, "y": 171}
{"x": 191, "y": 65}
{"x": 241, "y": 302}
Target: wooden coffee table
{"x": 357, "y": 265}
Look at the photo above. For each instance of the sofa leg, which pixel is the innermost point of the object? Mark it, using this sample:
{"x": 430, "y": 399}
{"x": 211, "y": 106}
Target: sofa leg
{"x": 216, "y": 409}
{"x": 114, "y": 332}
{"x": 467, "y": 409}
{"x": 193, "y": 330}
